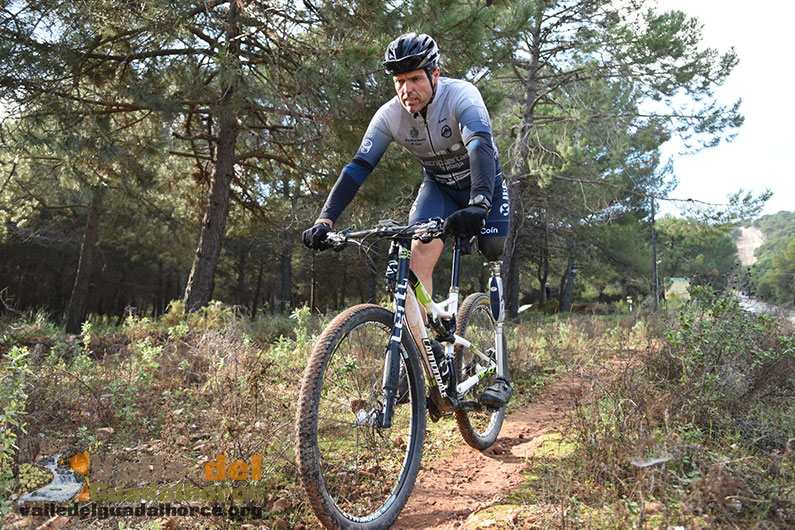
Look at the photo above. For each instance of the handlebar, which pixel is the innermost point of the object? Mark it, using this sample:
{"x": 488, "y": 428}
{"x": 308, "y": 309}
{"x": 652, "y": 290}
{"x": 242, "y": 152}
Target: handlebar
{"x": 425, "y": 231}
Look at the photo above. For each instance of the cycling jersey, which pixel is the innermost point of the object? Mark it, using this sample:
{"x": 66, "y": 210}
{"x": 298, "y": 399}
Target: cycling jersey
{"x": 451, "y": 140}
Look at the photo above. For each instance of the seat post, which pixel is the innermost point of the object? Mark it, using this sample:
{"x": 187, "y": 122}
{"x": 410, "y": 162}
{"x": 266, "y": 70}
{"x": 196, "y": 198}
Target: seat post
{"x": 455, "y": 266}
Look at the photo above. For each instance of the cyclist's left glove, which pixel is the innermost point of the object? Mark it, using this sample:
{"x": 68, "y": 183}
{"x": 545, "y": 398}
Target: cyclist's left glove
{"x": 466, "y": 222}
{"x": 315, "y": 237}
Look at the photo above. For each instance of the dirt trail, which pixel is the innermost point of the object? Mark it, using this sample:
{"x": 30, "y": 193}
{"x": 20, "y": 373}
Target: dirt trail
{"x": 750, "y": 239}
{"x": 451, "y": 489}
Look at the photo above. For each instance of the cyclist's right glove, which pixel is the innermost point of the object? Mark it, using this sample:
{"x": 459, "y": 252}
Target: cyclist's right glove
{"x": 466, "y": 222}
{"x": 315, "y": 237}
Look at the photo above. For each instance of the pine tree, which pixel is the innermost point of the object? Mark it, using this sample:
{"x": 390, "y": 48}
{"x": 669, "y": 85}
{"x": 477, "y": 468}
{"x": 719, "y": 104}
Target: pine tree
{"x": 566, "y": 49}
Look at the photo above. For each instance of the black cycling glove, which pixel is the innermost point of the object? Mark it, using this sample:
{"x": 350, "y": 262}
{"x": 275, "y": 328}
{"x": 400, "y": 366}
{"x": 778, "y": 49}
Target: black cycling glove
{"x": 466, "y": 222}
{"x": 315, "y": 237}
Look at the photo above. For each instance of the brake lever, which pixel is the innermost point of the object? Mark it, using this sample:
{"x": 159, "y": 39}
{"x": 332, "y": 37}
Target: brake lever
{"x": 433, "y": 232}
{"x": 341, "y": 240}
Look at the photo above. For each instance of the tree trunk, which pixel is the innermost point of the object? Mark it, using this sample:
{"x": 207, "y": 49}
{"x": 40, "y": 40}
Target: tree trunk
{"x": 511, "y": 262}
{"x": 58, "y": 293}
{"x": 242, "y": 298}
{"x": 119, "y": 300}
{"x": 312, "y": 284}
{"x": 257, "y": 290}
{"x": 182, "y": 283}
{"x": 567, "y": 282}
{"x": 272, "y": 298}
{"x": 287, "y": 277}
{"x": 166, "y": 298}
{"x": 200, "y": 283}
{"x": 343, "y": 287}
{"x": 78, "y": 301}
{"x": 157, "y": 298}
{"x": 542, "y": 272}
{"x": 371, "y": 281}
{"x": 518, "y": 173}
{"x": 655, "y": 280}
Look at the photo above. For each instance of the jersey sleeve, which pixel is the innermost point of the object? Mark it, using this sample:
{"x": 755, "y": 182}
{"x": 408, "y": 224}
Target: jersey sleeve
{"x": 473, "y": 119}
{"x": 472, "y": 115}
{"x": 376, "y": 139}
{"x": 373, "y": 146}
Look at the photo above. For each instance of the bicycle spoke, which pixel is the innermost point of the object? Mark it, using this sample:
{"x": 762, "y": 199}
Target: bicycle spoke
{"x": 478, "y": 427}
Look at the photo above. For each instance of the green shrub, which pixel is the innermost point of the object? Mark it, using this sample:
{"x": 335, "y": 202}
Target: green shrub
{"x": 13, "y": 372}
{"x": 719, "y": 358}
{"x": 700, "y": 420}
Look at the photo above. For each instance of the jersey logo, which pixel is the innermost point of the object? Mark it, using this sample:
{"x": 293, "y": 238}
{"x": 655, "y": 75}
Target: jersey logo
{"x": 447, "y": 132}
{"x": 366, "y": 146}
{"x": 414, "y": 133}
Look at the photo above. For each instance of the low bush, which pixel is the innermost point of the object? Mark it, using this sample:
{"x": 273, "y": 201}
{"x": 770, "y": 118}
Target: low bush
{"x": 14, "y": 371}
{"x": 699, "y": 425}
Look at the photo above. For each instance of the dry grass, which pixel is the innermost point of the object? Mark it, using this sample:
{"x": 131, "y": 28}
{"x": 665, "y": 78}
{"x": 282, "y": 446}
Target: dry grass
{"x": 693, "y": 429}
{"x": 696, "y": 429}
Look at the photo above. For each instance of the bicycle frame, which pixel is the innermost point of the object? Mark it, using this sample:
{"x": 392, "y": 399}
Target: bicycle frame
{"x": 408, "y": 294}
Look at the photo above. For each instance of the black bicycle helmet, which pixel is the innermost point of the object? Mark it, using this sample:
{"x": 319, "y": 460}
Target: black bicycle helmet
{"x": 411, "y": 52}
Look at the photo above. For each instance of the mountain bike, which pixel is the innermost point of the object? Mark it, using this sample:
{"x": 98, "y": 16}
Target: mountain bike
{"x": 361, "y": 415}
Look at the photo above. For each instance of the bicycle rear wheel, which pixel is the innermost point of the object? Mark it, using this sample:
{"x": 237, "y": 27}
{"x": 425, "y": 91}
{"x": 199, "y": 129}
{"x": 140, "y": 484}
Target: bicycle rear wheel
{"x": 356, "y": 474}
{"x": 477, "y": 325}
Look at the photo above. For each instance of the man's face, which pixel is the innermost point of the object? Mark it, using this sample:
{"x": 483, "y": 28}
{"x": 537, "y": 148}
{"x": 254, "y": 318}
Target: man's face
{"x": 414, "y": 89}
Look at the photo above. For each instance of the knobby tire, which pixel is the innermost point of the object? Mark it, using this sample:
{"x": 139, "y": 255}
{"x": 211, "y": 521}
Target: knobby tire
{"x": 356, "y": 475}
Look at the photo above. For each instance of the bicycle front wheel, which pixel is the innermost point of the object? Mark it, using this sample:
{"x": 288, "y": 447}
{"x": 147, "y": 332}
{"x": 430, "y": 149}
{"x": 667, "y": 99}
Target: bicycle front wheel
{"x": 356, "y": 473}
{"x": 476, "y": 323}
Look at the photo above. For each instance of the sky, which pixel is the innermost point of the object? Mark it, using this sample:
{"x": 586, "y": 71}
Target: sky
{"x": 763, "y": 154}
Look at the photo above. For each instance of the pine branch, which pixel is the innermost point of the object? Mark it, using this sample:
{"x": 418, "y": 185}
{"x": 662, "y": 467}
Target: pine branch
{"x": 43, "y": 203}
{"x": 120, "y": 107}
{"x": 187, "y": 138}
{"x": 196, "y": 156}
{"x": 10, "y": 176}
{"x": 206, "y": 38}
{"x": 151, "y": 54}
{"x": 260, "y": 154}
{"x": 128, "y": 124}
{"x": 206, "y": 6}
{"x": 622, "y": 189}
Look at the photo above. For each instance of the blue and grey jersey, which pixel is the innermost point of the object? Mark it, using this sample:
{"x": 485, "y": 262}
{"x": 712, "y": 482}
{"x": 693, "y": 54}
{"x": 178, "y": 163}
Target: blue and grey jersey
{"x": 452, "y": 141}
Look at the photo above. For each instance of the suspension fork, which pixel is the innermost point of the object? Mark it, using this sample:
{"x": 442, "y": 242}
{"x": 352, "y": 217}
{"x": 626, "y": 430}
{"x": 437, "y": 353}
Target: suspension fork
{"x": 392, "y": 354}
{"x": 497, "y": 302}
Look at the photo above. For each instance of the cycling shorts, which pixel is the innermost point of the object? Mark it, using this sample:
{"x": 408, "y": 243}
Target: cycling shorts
{"x": 438, "y": 200}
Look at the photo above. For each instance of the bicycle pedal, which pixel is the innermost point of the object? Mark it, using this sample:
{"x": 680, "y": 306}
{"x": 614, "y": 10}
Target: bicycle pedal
{"x": 470, "y": 405}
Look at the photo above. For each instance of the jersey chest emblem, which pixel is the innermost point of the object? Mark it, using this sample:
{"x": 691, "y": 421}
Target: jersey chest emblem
{"x": 414, "y": 138}
{"x": 447, "y": 132}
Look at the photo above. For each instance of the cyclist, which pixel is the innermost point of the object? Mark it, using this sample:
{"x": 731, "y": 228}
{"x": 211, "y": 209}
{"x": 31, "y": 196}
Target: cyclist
{"x": 444, "y": 124}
